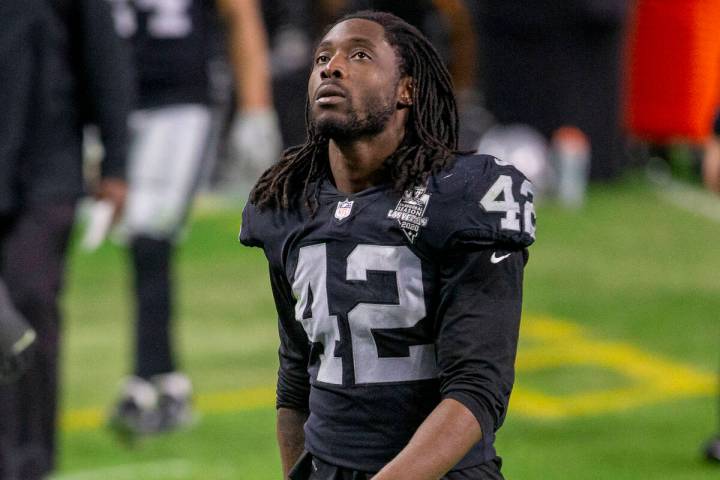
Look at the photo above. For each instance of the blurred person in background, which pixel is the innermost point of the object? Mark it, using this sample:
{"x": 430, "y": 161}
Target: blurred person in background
{"x": 171, "y": 42}
{"x": 711, "y": 179}
{"x": 463, "y": 60}
{"x": 677, "y": 41}
{"x": 61, "y": 65}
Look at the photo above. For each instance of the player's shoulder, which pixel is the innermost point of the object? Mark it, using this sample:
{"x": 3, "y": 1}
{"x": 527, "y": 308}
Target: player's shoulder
{"x": 262, "y": 226}
{"x": 251, "y": 226}
{"x": 479, "y": 168}
{"x": 482, "y": 200}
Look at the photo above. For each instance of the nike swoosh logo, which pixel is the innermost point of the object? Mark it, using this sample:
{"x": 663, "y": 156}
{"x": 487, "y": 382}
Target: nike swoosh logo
{"x": 495, "y": 259}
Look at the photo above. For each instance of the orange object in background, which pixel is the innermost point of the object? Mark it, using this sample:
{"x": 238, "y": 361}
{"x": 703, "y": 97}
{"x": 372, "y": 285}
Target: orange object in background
{"x": 673, "y": 69}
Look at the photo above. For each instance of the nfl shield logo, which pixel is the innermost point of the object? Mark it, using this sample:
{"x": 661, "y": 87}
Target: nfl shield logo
{"x": 343, "y": 209}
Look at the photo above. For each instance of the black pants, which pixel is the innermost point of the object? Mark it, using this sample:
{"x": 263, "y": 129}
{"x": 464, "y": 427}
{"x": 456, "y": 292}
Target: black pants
{"x": 32, "y": 251}
{"x": 312, "y": 468}
{"x": 152, "y": 262}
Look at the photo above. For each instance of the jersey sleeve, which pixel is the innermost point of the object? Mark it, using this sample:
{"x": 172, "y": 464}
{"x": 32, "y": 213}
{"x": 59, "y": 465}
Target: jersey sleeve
{"x": 247, "y": 235}
{"x": 107, "y": 75}
{"x": 495, "y": 206}
{"x": 479, "y": 320}
{"x": 293, "y": 386}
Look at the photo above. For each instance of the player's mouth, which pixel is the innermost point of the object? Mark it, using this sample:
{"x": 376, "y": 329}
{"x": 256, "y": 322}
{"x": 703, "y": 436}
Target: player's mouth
{"x": 329, "y": 94}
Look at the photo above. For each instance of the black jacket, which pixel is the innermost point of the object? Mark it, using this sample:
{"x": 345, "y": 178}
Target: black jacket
{"x": 61, "y": 66}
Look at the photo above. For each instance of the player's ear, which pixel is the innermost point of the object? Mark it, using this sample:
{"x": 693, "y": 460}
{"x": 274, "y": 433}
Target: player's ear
{"x": 406, "y": 87}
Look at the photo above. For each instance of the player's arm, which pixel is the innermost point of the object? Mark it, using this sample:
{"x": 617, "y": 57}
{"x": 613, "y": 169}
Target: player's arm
{"x": 293, "y": 387}
{"x": 439, "y": 444}
{"x": 249, "y": 53}
{"x": 479, "y": 317}
{"x": 255, "y": 134}
{"x": 108, "y": 74}
{"x": 290, "y": 436}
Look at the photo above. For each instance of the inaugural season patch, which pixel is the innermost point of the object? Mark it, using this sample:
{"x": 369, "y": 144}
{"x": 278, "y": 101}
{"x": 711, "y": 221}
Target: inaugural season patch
{"x": 344, "y": 207}
{"x": 410, "y": 210}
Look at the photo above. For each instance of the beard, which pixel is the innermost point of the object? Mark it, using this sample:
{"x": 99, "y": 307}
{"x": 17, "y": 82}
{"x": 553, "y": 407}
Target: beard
{"x": 351, "y": 126}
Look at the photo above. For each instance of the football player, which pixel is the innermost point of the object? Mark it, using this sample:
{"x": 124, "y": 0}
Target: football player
{"x": 396, "y": 265}
{"x": 172, "y": 43}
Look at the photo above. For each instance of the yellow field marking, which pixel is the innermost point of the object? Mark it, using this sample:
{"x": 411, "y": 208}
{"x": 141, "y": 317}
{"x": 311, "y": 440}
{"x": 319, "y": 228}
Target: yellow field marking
{"x": 245, "y": 399}
{"x": 553, "y": 343}
{"x": 561, "y": 344}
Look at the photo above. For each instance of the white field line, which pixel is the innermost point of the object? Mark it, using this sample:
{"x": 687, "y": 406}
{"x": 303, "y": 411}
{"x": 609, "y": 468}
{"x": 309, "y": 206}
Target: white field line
{"x": 691, "y": 199}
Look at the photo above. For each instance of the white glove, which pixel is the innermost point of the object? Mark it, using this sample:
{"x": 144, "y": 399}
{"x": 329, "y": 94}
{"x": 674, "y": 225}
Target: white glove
{"x": 255, "y": 140}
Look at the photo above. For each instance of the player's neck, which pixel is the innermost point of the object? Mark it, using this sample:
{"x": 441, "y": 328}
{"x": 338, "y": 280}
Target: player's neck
{"x": 358, "y": 164}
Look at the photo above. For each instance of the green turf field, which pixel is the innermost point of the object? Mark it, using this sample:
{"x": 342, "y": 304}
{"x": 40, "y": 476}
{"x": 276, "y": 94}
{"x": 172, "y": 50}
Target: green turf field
{"x": 616, "y": 370}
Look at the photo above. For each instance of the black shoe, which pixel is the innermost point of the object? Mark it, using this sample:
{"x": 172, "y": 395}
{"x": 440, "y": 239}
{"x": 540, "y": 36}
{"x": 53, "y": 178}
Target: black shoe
{"x": 712, "y": 450}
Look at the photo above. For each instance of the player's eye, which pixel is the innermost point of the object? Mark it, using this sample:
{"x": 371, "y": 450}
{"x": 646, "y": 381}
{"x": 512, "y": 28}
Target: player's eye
{"x": 321, "y": 59}
{"x": 361, "y": 55}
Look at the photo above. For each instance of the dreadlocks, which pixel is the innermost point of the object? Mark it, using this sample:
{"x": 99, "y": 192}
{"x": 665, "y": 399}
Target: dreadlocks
{"x": 431, "y": 135}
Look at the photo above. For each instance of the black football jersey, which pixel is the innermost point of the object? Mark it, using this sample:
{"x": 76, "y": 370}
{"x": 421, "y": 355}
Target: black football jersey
{"x": 171, "y": 45}
{"x": 389, "y": 303}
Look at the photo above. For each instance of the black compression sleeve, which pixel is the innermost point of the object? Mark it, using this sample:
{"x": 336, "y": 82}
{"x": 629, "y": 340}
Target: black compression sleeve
{"x": 479, "y": 319}
{"x": 108, "y": 74}
{"x": 293, "y": 386}
{"x": 21, "y": 44}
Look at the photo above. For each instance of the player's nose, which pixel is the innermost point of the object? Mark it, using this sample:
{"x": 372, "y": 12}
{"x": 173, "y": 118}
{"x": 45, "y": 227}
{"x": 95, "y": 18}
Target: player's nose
{"x": 335, "y": 68}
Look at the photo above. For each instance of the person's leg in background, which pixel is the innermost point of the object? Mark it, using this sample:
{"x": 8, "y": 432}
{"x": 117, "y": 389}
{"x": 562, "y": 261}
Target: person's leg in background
{"x": 153, "y": 289}
{"x": 165, "y": 165}
{"x": 32, "y": 248}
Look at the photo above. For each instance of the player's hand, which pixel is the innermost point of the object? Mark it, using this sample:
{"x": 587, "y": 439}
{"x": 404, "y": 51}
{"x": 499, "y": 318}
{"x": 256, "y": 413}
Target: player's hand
{"x": 255, "y": 140}
{"x": 17, "y": 340}
{"x": 113, "y": 190}
{"x": 14, "y": 362}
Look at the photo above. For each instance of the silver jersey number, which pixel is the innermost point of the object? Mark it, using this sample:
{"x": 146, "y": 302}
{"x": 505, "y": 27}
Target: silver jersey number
{"x": 368, "y": 366}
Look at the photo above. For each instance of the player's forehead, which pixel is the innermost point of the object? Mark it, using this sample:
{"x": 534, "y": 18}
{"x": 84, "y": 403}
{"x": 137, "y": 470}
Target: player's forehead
{"x": 356, "y": 31}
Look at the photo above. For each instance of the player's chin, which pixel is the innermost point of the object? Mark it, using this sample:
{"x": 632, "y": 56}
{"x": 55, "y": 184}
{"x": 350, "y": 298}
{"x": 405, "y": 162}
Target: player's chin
{"x": 328, "y": 123}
